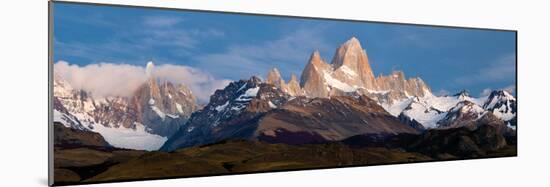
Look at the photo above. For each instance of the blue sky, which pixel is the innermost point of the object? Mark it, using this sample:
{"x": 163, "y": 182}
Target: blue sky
{"x": 233, "y": 46}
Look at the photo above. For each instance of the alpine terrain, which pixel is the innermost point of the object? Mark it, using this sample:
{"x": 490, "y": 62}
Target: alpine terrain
{"x": 336, "y": 113}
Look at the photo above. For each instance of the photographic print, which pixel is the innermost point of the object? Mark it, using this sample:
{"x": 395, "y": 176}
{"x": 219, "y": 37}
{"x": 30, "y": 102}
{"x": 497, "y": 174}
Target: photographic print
{"x": 153, "y": 93}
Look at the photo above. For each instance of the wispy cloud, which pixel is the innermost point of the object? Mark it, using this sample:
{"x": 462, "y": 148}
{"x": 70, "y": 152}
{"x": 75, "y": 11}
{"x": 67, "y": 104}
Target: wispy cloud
{"x": 108, "y": 79}
{"x": 289, "y": 53}
{"x": 161, "y": 21}
{"x": 154, "y": 33}
{"x": 442, "y": 92}
{"x": 502, "y": 69}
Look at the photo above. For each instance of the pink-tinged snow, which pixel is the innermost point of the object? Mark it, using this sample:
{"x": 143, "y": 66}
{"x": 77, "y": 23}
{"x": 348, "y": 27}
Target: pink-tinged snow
{"x": 138, "y": 138}
{"x": 347, "y": 71}
{"x": 377, "y": 91}
{"x": 335, "y": 83}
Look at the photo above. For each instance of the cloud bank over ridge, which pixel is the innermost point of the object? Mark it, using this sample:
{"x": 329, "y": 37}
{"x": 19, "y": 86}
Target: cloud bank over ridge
{"x": 109, "y": 79}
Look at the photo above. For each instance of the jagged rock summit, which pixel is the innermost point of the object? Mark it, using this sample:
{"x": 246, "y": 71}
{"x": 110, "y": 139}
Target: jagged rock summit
{"x": 153, "y": 112}
{"x": 348, "y": 73}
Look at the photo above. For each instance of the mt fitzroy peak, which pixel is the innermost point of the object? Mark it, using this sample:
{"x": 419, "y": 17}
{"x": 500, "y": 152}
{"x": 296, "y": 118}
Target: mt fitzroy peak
{"x": 349, "y": 72}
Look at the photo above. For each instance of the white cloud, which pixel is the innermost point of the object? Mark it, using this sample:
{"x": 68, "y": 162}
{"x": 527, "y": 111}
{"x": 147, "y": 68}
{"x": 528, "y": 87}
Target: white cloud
{"x": 503, "y": 69}
{"x": 442, "y": 92}
{"x": 486, "y": 92}
{"x": 108, "y": 79}
{"x": 162, "y": 33}
{"x": 510, "y": 89}
{"x": 161, "y": 21}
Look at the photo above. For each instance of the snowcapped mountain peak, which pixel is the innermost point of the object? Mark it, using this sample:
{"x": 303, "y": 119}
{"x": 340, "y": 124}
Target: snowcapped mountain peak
{"x": 462, "y": 94}
{"x": 501, "y": 94}
{"x": 292, "y": 87}
{"x": 315, "y": 55}
{"x": 462, "y": 114}
{"x": 255, "y": 79}
{"x": 350, "y": 72}
{"x": 352, "y": 54}
{"x": 502, "y": 104}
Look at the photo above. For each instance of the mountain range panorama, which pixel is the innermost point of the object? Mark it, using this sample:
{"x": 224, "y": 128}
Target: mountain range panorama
{"x": 330, "y": 102}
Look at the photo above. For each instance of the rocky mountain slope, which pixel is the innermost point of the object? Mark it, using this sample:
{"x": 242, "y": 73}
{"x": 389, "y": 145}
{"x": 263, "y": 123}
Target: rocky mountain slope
{"x": 332, "y": 102}
{"x": 142, "y": 120}
{"x": 255, "y": 110}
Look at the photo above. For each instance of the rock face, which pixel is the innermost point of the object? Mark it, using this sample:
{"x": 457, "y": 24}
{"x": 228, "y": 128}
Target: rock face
{"x": 351, "y": 65}
{"x": 313, "y": 81}
{"x": 229, "y": 114}
{"x": 397, "y": 82}
{"x": 259, "y": 111}
{"x": 274, "y": 77}
{"x": 160, "y": 106}
{"x": 164, "y": 107}
{"x": 350, "y": 71}
{"x": 294, "y": 88}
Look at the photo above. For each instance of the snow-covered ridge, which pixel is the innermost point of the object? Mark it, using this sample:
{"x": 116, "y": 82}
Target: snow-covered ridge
{"x": 502, "y": 104}
{"x": 430, "y": 109}
{"x": 335, "y": 83}
{"x": 130, "y": 138}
